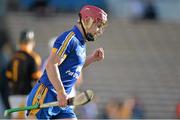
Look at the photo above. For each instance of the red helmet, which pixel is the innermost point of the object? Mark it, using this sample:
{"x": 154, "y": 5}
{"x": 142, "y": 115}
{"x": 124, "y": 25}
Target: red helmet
{"x": 94, "y": 12}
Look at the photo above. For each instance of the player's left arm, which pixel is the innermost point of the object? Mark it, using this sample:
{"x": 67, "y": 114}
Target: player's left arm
{"x": 97, "y": 55}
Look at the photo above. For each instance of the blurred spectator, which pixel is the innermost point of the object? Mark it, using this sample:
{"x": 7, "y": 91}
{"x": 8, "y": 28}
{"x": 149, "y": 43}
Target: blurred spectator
{"x": 138, "y": 109}
{"x": 126, "y": 109}
{"x": 143, "y": 10}
{"x": 5, "y": 45}
{"x": 6, "y": 42}
{"x": 4, "y": 93}
{"x": 4, "y": 90}
{"x": 112, "y": 109}
{"x": 150, "y": 10}
{"x": 132, "y": 108}
{"x": 136, "y": 9}
{"x": 23, "y": 71}
{"x": 178, "y": 110}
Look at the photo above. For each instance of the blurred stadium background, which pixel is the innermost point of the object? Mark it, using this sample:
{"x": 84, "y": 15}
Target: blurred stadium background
{"x": 142, "y": 57}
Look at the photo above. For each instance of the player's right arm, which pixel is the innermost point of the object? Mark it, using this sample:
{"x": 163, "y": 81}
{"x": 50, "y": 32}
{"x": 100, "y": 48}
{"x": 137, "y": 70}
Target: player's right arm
{"x": 61, "y": 48}
{"x": 54, "y": 77}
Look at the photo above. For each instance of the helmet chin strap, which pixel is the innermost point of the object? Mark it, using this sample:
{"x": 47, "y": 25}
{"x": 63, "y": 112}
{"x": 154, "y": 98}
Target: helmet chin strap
{"x": 88, "y": 36}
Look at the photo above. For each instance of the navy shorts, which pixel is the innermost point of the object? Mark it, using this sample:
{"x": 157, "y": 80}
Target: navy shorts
{"x": 41, "y": 94}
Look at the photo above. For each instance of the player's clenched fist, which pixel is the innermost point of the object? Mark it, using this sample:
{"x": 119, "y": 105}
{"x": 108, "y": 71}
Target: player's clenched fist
{"x": 98, "y": 54}
{"x": 62, "y": 99}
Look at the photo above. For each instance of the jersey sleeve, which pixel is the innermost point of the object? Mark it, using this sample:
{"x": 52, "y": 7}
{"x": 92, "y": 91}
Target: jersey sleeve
{"x": 64, "y": 44}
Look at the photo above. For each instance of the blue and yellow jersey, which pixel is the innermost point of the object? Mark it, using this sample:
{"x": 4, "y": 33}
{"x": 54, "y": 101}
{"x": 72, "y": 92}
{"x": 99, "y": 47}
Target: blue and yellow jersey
{"x": 72, "y": 48}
